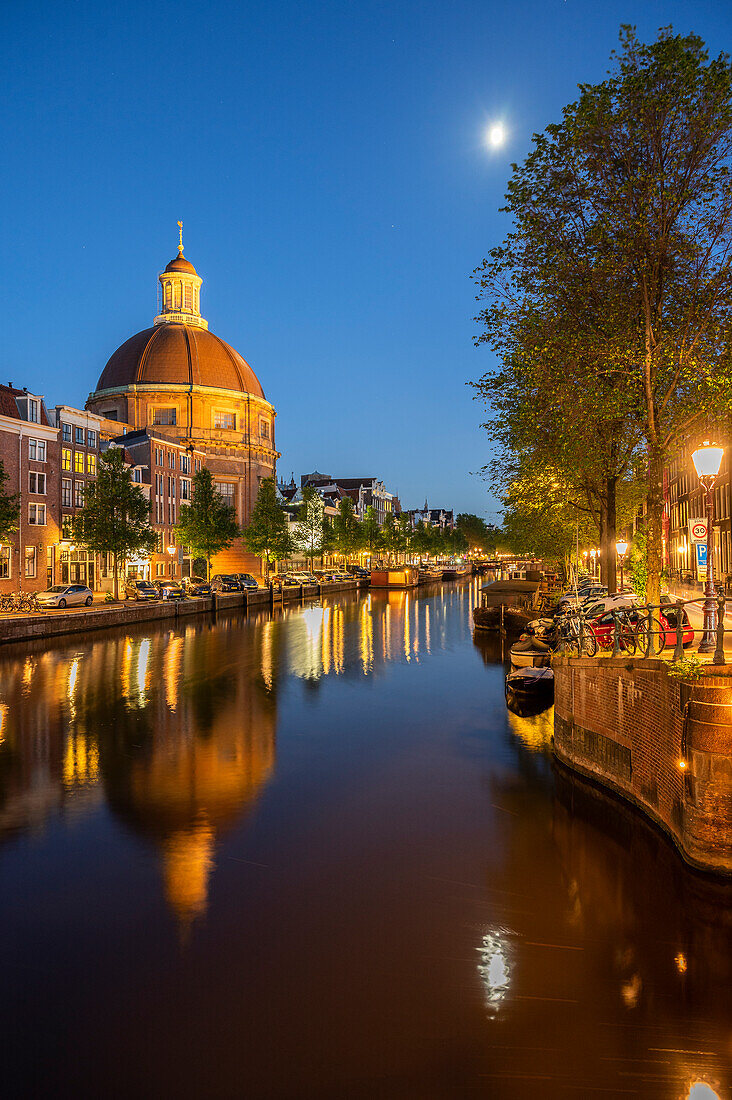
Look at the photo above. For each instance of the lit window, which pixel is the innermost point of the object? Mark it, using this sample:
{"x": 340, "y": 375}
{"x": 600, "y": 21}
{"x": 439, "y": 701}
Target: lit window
{"x": 5, "y": 563}
{"x": 37, "y": 516}
{"x": 65, "y": 459}
{"x": 164, "y": 416}
{"x": 78, "y": 462}
{"x": 226, "y": 420}
{"x": 30, "y": 561}
{"x": 36, "y": 483}
{"x": 159, "y": 569}
{"x": 91, "y": 465}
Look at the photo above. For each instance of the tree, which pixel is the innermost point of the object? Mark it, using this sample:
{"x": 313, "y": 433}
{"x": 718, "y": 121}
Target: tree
{"x": 115, "y": 516}
{"x": 346, "y": 529}
{"x": 623, "y": 232}
{"x": 267, "y": 533}
{"x": 371, "y": 532}
{"x": 475, "y": 530}
{"x": 208, "y": 524}
{"x": 404, "y": 535}
{"x": 421, "y": 539}
{"x": 9, "y": 509}
{"x": 309, "y": 532}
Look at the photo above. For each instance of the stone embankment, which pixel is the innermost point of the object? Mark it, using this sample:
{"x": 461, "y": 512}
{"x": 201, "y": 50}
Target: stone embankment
{"x": 102, "y": 617}
{"x": 664, "y": 744}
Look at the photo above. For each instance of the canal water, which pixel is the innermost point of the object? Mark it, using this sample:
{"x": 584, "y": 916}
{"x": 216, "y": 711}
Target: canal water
{"x": 313, "y": 855}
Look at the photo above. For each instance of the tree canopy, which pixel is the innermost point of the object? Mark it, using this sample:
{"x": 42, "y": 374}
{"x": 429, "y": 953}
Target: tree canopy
{"x": 208, "y": 524}
{"x": 115, "y": 516}
{"x": 267, "y": 533}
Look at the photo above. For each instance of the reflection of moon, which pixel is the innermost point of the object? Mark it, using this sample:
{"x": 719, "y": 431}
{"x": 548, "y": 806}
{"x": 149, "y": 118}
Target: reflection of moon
{"x": 496, "y": 135}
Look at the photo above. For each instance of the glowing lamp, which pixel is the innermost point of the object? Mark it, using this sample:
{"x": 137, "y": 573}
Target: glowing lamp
{"x": 621, "y": 547}
{"x": 171, "y": 550}
{"x": 707, "y": 459}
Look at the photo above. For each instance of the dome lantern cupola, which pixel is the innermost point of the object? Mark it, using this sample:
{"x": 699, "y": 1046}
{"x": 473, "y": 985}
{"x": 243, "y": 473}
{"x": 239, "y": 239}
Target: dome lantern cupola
{"x": 180, "y": 286}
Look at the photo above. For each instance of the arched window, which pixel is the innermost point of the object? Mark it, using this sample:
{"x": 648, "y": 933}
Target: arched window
{"x": 168, "y": 295}
{"x": 178, "y": 295}
{"x": 189, "y": 296}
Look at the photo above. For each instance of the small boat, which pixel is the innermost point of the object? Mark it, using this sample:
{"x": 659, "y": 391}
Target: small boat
{"x": 530, "y": 653}
{"x": 529, "y": 691}
{"x": 428, "y": 573}
{"x": 405, "y": 577}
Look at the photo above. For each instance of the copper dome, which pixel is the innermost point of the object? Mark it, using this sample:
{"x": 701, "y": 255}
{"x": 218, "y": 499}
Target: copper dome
{"x": 180, "y": 263}
{"x": 177, "y": 354}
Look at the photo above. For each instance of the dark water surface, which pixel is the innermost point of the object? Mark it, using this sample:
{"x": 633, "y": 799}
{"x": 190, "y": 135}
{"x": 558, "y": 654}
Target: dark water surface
{"x": 314, "y": 856}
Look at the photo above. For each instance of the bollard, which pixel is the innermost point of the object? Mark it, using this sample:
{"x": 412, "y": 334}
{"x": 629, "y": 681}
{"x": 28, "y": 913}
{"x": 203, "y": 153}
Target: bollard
{"x": 721, "y": 607}
{"x": 649, "y": 633}
{"x": 616, "y": 634}
{"x": 679, "y": 647}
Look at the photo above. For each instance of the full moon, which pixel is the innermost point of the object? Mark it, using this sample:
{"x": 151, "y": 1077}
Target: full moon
{"x": 496, "y": 135}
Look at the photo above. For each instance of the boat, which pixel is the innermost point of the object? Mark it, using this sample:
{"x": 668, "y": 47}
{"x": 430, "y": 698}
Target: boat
{"x": 428, "y": 574}
{"x": 529, "y": 691}
{"x": 487, "y": 618}
{"x": 407, "y": 576}
{"x": 530, "y": 653}
{"x": 451, "y": 572}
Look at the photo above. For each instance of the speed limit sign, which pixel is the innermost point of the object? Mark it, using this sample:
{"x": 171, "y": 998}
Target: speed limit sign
{"x": 698, "y": 530}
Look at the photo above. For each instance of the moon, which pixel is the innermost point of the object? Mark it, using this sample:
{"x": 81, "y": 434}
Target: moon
{"x": 496, "y": 135}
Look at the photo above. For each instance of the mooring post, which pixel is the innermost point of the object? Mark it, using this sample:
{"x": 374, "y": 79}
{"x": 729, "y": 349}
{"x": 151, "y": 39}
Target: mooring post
{"x": 721, "y": 606}
{"x": 679, "y": 647}
{"x": 616, "y": 634}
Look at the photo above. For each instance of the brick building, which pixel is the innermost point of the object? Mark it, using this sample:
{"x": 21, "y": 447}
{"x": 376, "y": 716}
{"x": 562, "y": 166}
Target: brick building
{"x": 79, "y": 437}
{"x": 685, "y": 501}
{"x": 366, "y": 492}
{"x": 29, "y": 451}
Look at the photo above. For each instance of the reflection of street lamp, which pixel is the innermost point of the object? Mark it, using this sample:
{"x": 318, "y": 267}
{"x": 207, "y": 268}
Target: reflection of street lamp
{"x": 707, "y": 460}
{"x": 621, "y": 548}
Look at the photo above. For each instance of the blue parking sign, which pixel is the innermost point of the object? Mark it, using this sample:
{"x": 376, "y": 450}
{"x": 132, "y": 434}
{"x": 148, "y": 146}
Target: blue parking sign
{"x": 701, "y": 559}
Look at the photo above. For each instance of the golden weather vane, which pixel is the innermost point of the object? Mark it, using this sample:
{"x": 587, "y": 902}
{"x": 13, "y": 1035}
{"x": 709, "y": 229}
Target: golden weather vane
{"x": 180, "y": 237}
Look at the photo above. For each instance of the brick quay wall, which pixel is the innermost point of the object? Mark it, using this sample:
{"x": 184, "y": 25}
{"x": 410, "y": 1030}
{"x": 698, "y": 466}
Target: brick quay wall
{"x": 54, "y": 624}
{"x": 662, "y": 743}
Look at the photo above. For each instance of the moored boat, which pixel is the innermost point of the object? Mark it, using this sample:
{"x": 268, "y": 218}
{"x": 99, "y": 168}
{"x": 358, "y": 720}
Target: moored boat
{"x": 407, "y": 576}
{"x": 530, "y": 653}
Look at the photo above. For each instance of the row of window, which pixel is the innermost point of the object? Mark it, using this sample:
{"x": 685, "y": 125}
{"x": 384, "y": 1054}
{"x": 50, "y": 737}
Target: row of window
{"x": 79, "y": 436}
{"x": 185, "y": 486}
{"x": 225, "y": 421}
{"x": 160, "y": 512}
{"x": 184, "y": 463}
{"x": 78, "y": 460}
{"x": 30, "y": 560}
{"x": 78, "y": 487}
{"x": 37, "y": 450}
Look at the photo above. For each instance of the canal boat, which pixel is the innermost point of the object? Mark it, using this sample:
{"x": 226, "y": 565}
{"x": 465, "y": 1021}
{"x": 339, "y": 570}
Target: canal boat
{"x": 529, "y": 691}
{"x": 487, "y": 618}
{"x": 452, "y": 572}
{"x": 530, "y": 653}
{"x": 428, "y": 574}
{"x": 406, "y": 576}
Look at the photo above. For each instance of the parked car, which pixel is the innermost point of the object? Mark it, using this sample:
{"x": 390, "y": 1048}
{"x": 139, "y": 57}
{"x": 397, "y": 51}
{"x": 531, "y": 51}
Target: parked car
{"x": 592, "y": 608}
{"x": 141, "y": 590}
{"x": 602, "y": 627}
{"x": 225, "y": 582}
{"x": 197, "y": 586}
{"x": 246, "y": 580}
{"x": 66, "y": 595}
{"x": 171, "y": 590}
{"x": 358, "y": 571}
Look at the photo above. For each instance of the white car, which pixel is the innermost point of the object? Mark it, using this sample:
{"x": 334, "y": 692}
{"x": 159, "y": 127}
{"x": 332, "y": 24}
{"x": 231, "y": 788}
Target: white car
{"x": 66, "y": 595}
{"x": 593, "y": 608}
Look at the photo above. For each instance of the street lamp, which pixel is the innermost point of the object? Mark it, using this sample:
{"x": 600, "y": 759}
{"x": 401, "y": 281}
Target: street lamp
{"x": 621, "y": 548}
{"x": 707, "y": 460}
{"x": 593, "y": 555}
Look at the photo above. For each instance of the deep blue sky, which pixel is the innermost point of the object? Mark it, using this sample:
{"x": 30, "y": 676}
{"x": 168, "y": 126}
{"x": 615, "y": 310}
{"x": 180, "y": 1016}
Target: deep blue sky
{"x": 327, "y": 160}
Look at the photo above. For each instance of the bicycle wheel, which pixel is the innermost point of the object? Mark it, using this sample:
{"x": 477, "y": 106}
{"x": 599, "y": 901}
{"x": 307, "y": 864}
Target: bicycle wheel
{"x": 589, "y": 643}
{"x": 627, "y": 636}
{"x": 658, "y": 637}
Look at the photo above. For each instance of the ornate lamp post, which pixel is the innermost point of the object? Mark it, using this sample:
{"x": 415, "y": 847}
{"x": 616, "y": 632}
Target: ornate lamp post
{"x": 707, "y": 460}
{"x": 593, "y": 555}
{"x": 621, "y": 548}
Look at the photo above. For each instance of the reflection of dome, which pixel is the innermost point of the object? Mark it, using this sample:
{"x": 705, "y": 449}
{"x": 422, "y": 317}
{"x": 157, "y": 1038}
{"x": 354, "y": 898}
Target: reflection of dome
{"x": 187, "y": 860}
{"x": 178, "y": 354}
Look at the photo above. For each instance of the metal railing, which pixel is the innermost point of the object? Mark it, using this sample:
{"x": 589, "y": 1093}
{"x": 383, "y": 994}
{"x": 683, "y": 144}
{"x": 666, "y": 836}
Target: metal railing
{"x": 638, "y": 628}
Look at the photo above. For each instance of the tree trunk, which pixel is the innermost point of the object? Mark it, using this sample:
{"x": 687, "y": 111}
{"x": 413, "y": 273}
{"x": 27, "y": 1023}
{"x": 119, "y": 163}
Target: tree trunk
{"x": 611, "y": 517}
{"x": 655, "y": 523}
{"x": 116, "y": 576}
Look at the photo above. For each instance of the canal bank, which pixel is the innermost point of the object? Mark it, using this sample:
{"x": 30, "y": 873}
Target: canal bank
{"x": 23, "y": 628}
{"x": 663, "y": 743}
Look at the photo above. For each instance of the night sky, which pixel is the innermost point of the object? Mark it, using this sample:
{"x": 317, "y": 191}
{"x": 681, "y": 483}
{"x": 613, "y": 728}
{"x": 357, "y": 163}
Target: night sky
{"x": 329, "y": 164}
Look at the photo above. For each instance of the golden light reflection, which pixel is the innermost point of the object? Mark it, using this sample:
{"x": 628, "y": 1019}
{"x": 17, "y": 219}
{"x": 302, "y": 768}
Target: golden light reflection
{"x": 700, "y": 1090}
{"x": 28, "y": 666}
{"x": 681, "y": 964}
{"x": 326, "y": 640}
{"x": 3, "y": 720}
{"x": 494, "y": 969}
{"x": 427, "y": 628}
{"x": 187, "y": 865}
{"x": 407, "y": 643}
{"x": 71, "y": 687}
{"x": 535, "y": 732}
{"x": 81, "y": 763}
{"x": 143, "y": 657}
{"x": 173, "y": 656}
{"x": 366, "y": 637}
{"x": 267, "y": 665}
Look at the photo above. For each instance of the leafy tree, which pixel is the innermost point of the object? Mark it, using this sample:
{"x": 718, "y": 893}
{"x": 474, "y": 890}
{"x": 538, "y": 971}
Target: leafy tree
{"x": 421, "y": 541}
{"x": 9, "y": 509}
{"x": 268, "y": 534}
{"x": 346, "y": 529}
{"x": 372, "y": 538}
{"x": 115, "y": 516}
{"x": 208, "y": 524}
{"x": 390, "y": 535}
{"x": 404, "y": 534}
{"x": 309, "y": 532}
{"x": 623, "y": 232}
{"x": 475, "y": 530}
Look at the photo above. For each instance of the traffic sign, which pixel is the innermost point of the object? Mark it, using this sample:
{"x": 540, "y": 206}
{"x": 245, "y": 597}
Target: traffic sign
{"x": 701, "y": 560}
{"x": 697, "y": 530}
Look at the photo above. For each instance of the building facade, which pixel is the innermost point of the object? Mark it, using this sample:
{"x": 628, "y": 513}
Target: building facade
{"x": 79, "y": 438}
{"x": 366, "y": 492}
{"x": 180, "y": 381}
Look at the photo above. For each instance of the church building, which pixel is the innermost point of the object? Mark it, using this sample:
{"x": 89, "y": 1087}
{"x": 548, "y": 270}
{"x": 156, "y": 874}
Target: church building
{"x": 188, "y": 385}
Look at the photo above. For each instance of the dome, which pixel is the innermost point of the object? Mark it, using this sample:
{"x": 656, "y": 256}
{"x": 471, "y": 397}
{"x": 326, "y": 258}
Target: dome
{"x": 180, "y": 263}
{"x": 178, "y": 354}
